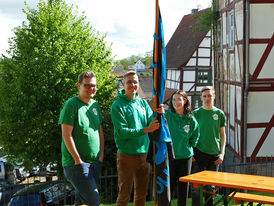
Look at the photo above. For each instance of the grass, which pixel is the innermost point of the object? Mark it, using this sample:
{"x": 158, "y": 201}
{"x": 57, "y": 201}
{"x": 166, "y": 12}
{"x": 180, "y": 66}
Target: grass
{"x": 174, "y": 202}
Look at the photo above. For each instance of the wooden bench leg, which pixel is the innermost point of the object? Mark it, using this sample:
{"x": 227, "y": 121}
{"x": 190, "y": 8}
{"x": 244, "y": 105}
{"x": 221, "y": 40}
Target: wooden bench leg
{"x": 201, "y": 195}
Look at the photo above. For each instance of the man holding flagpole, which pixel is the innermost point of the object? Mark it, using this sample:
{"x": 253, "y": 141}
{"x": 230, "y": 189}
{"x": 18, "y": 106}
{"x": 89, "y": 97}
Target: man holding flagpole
{"x": 133, "y": 120}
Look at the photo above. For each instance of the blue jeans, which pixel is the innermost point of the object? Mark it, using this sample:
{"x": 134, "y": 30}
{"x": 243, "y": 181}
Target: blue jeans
{"x": 84, "y": 178}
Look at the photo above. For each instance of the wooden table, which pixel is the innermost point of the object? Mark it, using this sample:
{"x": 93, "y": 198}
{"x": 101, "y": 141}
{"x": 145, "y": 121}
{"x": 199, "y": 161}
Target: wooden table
{"x": 230, "y": 180}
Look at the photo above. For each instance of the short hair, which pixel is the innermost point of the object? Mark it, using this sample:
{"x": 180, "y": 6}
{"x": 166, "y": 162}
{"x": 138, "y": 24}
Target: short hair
{"x": 129, "y": 73}
{"x": 86, "y": 74}
{"x": 208, "y": 88}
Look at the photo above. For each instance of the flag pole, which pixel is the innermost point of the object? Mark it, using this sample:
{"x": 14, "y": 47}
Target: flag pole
{"x": 155, "y": 96}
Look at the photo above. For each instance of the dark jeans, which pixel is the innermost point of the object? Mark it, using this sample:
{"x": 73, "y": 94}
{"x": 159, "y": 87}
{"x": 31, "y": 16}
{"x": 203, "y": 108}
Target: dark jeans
{"x": 84, "y": 178}
{"x": 180, "y": 168}
{"x": 203, "y": 162}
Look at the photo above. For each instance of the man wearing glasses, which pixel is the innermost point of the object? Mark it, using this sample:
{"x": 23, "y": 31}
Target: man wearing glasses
{"x": 83, "y": 140}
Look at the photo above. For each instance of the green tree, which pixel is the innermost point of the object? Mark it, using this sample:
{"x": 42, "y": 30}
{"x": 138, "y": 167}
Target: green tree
{"x": 147, "y": 60}
{"x": 208, "y": 20}
{"x": 45, "y": 57}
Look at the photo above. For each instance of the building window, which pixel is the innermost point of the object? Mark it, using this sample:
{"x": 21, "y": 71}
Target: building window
{"x": 231, "y": 30}
{"x": 203, "y": 78}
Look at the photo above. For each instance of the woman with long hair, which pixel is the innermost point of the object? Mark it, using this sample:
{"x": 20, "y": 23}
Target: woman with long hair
{"x": 184, "y": 131}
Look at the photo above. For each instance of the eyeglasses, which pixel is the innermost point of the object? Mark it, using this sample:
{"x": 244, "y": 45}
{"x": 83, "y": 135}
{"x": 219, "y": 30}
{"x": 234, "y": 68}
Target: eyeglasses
{"x": 205, "y": 96}
{"x": 132, "y": 82}
{"x": 90, "y": 86}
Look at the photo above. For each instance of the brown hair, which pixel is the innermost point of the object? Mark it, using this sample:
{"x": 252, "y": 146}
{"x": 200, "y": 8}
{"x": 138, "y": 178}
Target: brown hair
{"x": 208, "y": 88}
{"x": 187, "y": 106}
{"x": 129, "y": 73}
{"x": 86, "y": 74}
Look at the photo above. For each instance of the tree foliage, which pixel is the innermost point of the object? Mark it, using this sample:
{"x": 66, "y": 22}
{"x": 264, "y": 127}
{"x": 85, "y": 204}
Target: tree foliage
{"x": 46, "y": 55}
{"x": 208, "y": 19}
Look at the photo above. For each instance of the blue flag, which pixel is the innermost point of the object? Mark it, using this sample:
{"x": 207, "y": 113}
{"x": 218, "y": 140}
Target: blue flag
{"x": 162, "y": 139}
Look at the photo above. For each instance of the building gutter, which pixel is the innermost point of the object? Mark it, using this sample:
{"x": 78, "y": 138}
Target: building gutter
{"x": 246, "y": 82}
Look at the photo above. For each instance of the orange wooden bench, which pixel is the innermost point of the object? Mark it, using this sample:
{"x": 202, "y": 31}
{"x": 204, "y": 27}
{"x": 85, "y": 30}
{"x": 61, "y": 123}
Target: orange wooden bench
{"x": 234, "y": 181}
{"x": 240, "y": 198}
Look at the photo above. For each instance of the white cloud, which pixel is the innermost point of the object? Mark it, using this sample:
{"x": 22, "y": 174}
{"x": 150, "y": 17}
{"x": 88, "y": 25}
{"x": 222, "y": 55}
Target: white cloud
{"x": 129, "y": 24}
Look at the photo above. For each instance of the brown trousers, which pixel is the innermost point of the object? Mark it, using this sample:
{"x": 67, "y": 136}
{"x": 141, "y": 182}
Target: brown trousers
{"x": 132, "y": 168}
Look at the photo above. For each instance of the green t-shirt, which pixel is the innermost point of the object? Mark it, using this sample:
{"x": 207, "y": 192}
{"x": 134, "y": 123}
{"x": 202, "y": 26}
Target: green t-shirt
{"x": 210, "y": 122}
{"x": 86, "y": 120}
{"x": 184, "y": 132}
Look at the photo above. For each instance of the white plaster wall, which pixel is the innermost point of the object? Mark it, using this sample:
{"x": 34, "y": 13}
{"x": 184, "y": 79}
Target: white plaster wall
{"x": 225, "y": 64}
{"x": 199, "y": 88}
{"x": 167, "y": 84}
{"x": 176, "y": 75}
{"x": 232, "y": 67}
{"x": 261, "y": 20}
{"x": 232, "y": 104}
{"x": 253, "y": 137}
{"x": 239, "y": 101}
{"x": 260, "y": 107}
{"x": 239, "y": 20}
{"x": 267, "y": 147}
{"x": 268, "y": 68}
{"x": 174, "y": 85}
{"x": 221, "y": 4}
{"x": 191, "y": 62}
{"x": 187, "y": 86}
{"x": 239, "y": 62}
{"x": 203, "y": 62}
{"x": 168, "y": 75}
{"x": 189, "y": 76}
{"x": 239, "y": 140}
{"x": 205, "y": 42}
{"x": 203, "y": 52}
{"x": 237, "y": 66}
{"x": 255, "y": 52}
{"x": 224, "y": 29}
{"x": 226, "y": 98}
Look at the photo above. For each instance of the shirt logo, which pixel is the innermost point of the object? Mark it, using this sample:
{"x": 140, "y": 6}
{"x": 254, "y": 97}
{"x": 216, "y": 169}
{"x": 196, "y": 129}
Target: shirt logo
{"x": 215, "y": 116}
{"x": 186, "y": 128}
{"x": 95, "y": 111}
{"x": 143, "y": 111}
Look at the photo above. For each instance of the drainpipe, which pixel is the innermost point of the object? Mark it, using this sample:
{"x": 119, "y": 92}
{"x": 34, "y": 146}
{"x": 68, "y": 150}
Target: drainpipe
{"x": 246, "y": 77}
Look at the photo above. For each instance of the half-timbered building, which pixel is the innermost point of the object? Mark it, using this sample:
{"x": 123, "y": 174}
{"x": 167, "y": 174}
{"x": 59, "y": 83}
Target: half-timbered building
{"x": 189, "y": 58}
{"x": 244, "y": 75}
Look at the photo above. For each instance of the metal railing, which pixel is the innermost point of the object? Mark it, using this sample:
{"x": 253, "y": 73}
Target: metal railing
{"x": 262, "y": 167}
{"x": 108, "y": 184}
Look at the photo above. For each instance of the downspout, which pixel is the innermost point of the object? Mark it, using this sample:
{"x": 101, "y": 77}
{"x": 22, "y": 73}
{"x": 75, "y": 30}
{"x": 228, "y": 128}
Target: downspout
{"x": 246, "y": 78}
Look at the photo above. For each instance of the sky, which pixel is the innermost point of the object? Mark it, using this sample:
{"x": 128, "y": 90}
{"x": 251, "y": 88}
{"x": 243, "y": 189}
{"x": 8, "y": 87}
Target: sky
{"x": 128, "y": 24}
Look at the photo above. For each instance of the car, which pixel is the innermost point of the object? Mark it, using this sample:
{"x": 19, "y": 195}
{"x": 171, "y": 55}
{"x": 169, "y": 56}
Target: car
{"x": 7, "y": 190}
{"x": 43, "y": 194}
